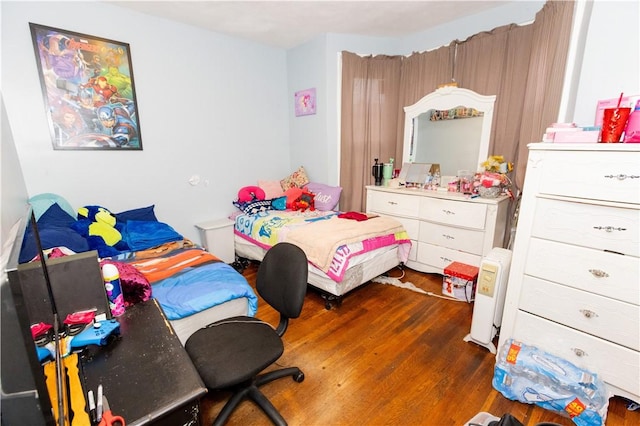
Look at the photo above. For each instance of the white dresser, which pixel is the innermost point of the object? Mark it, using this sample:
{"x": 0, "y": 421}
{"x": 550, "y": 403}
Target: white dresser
{"x": 443, "y": 227}
{"x": 574, "y": 284}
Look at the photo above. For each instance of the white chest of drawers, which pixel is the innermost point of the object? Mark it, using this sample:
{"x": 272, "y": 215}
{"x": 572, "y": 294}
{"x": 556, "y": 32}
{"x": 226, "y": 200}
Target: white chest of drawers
{"x": 443, "y": 227}
{"x": 574, "y": 284}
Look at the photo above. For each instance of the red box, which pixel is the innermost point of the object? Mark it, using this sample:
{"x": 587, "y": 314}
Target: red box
{"x": 459, "y": 281}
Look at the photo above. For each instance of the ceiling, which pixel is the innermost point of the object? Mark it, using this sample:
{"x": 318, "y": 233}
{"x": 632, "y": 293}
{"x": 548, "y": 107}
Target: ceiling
{"x": 287, "y": 24}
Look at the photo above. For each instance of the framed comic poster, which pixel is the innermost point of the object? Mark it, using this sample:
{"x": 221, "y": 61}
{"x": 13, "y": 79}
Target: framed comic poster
{"x": 305, "y": 102}
{"x": 88, "y": 89}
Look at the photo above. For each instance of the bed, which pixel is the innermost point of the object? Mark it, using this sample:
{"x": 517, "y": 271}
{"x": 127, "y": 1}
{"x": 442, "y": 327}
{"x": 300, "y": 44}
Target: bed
{"x": 193, "y": 287}
{"x": 345, "y": 249}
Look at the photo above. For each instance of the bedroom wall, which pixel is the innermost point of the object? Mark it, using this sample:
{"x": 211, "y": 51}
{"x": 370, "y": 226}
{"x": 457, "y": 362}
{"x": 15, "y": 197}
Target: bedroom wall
{"x": 209, "y": 105}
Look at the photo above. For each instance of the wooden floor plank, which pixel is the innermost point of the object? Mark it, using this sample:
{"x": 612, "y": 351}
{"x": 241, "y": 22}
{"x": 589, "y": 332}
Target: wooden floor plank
{"x": 387, "y": 356}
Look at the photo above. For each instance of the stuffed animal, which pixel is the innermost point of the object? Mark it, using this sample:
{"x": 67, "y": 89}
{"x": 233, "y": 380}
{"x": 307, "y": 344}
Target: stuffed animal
{"x": 101, "y": 230}
{"x": 304, "y": 202}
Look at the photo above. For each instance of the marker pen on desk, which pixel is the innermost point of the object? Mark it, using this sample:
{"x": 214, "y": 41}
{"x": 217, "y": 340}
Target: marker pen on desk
{"x": 92, "y": 407}
{"x": 99, "y": 403}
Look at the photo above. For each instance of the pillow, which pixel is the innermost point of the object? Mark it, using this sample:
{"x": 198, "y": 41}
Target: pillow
{"x": 292, "y": 194}
{"x": 41, "y": 202}
{"x": 143, "y": 213}
{"x": 272, "y": 188}
{"x": 279, "y": 203}
{"x": 55, "y": 216}
{"x": 297, "y": 179}
{"x": 52, "y": 236}
{"x": 326, "y": 197}
{"x": 250, "y": 193}
{"x": 257, "y": 206}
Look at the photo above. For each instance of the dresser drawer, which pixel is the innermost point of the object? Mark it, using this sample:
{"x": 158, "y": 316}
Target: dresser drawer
{"x": 393, "y": 204}
{"x": 609, "y": 176}
{"x": 595, "y": 271}
{"x": 412, "y": 226}
{"x": 441, "y": 257}
{"x": 454, "y": 238}
{"x": 614, "y": 229}
{"x": 614, "y": 364}
{"x": 458, "y": 213}
{"x": 597, "y": 315}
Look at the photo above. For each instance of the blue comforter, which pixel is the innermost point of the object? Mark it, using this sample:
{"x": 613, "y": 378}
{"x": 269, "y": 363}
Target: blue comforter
{"x": 197, "y": 288}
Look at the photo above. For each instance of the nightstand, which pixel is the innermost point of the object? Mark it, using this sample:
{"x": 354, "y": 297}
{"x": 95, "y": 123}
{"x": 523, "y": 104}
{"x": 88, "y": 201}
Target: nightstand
{"x": 217, "y": 238}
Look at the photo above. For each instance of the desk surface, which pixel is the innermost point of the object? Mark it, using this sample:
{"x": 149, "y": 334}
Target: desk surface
{"x": 145, "y": 373}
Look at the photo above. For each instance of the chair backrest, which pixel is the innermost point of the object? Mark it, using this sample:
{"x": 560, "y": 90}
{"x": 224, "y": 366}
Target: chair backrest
{"x": 282, "y": 279}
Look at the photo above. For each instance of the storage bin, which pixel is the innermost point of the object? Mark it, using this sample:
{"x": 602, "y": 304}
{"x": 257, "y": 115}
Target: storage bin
{"x": 459, "y": 281}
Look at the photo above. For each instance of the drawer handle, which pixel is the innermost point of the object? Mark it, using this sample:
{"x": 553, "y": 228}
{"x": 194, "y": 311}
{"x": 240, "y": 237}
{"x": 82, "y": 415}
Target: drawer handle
{"x": 609, "y": 228}
{"x": 598, "y": 273}
{"x": 579, "y": 352}
{"x": 621, "y": 176}
{"x": 448, "y": 237}
{"x": 448, "y": 211}
{"x": 588, "y": 314}
{"x": 393, "y": 203}
{"x": 444, "y": 259}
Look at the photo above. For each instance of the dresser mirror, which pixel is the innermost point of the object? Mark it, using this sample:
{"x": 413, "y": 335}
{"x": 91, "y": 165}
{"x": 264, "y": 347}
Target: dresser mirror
{"x": 450, "y": 127}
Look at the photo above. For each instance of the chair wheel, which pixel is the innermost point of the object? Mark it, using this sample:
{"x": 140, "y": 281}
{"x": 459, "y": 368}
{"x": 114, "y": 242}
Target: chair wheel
{"x": 299, "y": 377}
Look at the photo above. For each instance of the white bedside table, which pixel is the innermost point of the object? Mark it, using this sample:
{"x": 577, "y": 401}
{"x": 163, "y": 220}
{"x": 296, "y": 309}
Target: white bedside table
{"x": 217, "y": 238}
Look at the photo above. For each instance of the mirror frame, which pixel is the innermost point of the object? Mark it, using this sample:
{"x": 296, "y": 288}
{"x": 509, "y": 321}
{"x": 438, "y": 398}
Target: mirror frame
{"x": 445, "y": 98}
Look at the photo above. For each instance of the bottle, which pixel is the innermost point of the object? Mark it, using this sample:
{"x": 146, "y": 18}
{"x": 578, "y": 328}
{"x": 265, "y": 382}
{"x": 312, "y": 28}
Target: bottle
{"x": 111, "y": 278}
{"x": 632, "y": 131}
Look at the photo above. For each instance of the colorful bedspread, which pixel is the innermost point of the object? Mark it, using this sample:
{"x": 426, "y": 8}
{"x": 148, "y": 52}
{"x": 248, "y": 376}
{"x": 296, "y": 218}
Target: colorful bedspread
{"x": 328, "y": 241}
{"x": 187, "y": 281}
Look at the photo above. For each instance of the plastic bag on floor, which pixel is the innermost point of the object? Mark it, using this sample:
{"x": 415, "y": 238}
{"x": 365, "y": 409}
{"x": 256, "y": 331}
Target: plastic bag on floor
{"x": 527, "y": 374}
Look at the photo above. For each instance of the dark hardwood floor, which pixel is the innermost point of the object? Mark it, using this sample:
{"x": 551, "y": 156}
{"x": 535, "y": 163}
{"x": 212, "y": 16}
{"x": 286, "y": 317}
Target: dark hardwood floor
{"x": 387, "y": 356}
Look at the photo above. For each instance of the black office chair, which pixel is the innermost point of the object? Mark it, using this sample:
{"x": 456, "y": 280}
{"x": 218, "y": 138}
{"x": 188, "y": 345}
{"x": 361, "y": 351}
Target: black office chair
{"x": 230, "y": 353}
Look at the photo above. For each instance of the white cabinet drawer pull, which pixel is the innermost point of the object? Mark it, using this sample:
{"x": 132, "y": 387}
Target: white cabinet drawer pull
{"x": 609, "y": 228}
{"x": 588, "y": 314}
{"x": 579, "y": 352}
{"x": 448, "y": 237}
{"x": 393, "y": 203}
{"x": 448, "y": 211}
{"x": 598, "y": 273}
{"x": 444, "y": 259}
{"x": 622, "y": 177}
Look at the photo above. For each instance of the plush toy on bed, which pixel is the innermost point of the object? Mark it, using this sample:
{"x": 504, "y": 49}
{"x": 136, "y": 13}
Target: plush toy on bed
{"x": 101, "y": 230}
{"x": 304, "y": 202}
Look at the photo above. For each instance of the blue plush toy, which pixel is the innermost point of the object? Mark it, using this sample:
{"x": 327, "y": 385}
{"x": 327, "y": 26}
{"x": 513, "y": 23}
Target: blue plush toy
{"x": 101, "y": 230}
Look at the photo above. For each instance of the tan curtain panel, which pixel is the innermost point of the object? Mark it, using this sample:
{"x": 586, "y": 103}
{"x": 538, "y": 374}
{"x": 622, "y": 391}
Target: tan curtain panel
{"x": 370, "y": 87}
{"x": 421, "y": 73}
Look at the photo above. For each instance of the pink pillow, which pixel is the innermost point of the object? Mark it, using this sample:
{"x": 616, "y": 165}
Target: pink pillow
{"x": 272, "y": 188}
{"x": 326, "y": 197}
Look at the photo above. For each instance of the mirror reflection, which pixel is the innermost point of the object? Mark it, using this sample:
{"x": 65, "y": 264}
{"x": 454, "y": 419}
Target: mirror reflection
{"x": 450, "y": 127}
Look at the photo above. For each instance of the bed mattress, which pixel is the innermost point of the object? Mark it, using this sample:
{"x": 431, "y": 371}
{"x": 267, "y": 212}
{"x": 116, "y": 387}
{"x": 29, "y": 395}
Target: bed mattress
{"x": 362, "y": 268}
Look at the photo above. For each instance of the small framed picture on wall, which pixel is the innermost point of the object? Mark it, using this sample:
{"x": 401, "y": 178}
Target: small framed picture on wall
{"x": 305, "y": 102}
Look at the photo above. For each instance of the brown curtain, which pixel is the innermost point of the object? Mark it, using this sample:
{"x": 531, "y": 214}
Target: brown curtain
{"x": 370, "y": 87}
{"x": 420, "y": 75}
{"x": 522, "y": 65}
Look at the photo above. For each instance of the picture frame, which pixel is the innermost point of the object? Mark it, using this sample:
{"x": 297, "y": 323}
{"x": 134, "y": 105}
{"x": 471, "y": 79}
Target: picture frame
{"x": 305, "y": 102}
{"x": 88, "y": 90}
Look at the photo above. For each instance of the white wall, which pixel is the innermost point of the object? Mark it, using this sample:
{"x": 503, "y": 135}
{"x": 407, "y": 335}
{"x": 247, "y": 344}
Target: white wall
{"x": 209, "y": 105}
{"x": 611, "y": 62}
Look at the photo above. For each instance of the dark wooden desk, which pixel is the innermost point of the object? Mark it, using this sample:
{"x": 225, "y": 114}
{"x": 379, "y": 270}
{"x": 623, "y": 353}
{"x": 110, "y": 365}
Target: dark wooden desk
{"x": 145, "y": 373}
